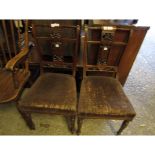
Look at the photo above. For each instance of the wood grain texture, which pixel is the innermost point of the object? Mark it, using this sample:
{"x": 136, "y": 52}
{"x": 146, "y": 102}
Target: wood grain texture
{"x": 12, "y": 63}
{"x": 8, "y": 92}
{"x": 14, "y": 76}
{"x": 131, "y": 51}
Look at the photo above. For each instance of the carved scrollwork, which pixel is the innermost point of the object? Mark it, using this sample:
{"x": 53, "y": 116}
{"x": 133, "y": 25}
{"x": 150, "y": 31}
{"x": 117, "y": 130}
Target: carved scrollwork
{"x": 107, "y": 36}
{"x": 57, "y": 58}
{"x": 57, "y": 52}
{"x": 55, "y": 33}
{"x": 108, "y": 33}
{"x": 56, "y": 45}
{"x": 103, "y": 55}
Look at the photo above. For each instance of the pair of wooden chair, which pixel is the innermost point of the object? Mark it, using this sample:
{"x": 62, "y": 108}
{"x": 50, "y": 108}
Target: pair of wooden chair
{"x": 101, "y": 96}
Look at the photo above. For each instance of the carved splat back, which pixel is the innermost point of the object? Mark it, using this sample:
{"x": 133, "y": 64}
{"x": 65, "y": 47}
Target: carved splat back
{"x": 107, "y": 37}
{"x": 103, "y": 49}
{"x": 57, "y": 45}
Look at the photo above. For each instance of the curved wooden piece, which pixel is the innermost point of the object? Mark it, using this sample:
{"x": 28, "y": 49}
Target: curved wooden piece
{"x": 12, "y": 63}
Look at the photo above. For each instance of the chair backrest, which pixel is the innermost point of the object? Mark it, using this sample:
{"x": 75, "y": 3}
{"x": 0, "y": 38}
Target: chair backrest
{"x": 61, "y": 22}
{"x": 12, "y": 39}
{"x": 113, "y": 22}
{"x": 57, "y": 45}
{"x": 103, "y": 47}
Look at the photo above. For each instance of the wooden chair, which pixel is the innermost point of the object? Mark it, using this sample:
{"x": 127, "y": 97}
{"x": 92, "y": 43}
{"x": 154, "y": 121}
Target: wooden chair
{"x": 101, "y": 94}
{"x": 15, "y": 73}
{"x": 53, "y": 93}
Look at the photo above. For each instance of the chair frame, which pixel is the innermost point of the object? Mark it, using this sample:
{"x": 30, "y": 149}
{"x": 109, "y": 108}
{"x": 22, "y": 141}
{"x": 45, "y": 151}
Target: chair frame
{"x": 70, "y": 116}
{"x": 102, "y": 68}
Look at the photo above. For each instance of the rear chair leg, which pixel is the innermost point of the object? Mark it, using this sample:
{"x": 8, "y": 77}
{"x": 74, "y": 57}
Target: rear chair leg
{"x": 79, "y": 123}
{"x": 123, "y": 126}
{"x": 72, "y": 121}
{"x": 27, "y": 117}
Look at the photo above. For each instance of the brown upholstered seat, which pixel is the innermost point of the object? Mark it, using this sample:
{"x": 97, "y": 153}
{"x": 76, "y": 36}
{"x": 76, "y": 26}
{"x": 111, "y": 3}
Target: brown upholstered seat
{"x": 103, "y": 96}
{"x": 51, "y": 91}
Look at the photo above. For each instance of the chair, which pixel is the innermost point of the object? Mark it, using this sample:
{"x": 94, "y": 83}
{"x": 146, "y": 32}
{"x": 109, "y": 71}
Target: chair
{"x": 101, "y": 94}
{"x": 54, "y": 92}
{"x": 15, "y": 74}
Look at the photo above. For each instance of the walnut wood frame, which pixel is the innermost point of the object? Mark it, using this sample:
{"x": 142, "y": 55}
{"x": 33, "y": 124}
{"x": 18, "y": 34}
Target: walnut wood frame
{"x": 69, "y": 115}
{"x": 80, "y": 117}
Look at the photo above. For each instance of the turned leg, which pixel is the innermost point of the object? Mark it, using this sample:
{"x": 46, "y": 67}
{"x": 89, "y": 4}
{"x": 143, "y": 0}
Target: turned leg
{"x": 79, "y": 123}
{"x": 27, "y": 117}
{"x": 123, "y": 126}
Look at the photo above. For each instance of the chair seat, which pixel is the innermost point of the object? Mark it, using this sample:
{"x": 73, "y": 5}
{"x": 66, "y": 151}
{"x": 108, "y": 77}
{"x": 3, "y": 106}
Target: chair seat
{"x": 8, "y": 92}
{"x": 51, "y": 91}
{"x": 103, "y": 96}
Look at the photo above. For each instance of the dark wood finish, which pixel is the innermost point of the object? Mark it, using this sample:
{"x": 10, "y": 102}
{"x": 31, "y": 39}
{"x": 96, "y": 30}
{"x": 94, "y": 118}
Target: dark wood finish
{"x": 79, "y": 123}
{"x": 123, "y": 126}
{"x": 131, "y": 51}
{"x": 9, "y": 92}
{"x": 124, "y": 44}
{"x": 13, "y": 36}
{"x": 10, "y": 43}
{"x": 28, "y": 119}
{"x": 13, "y": 77}
{"x": 127, "y": 42}
{"x": 3, "y": 52}
{"x": 102, "y": 96}
{"x": 132, "y": 46}
{"x": 53, "y": 93}
{"x": 71, "y": 123}
{"x": 6, "y": 38}
{"x": 113, "y": 22}
{"x": 105, "y": 48}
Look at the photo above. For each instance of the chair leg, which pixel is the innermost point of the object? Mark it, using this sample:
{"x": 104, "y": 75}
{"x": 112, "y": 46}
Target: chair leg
{"x": 123, "y": 126}
{"x": 71, "y": 123}
{"x": 27, "y": 117}
{"x": 79, "y": 123}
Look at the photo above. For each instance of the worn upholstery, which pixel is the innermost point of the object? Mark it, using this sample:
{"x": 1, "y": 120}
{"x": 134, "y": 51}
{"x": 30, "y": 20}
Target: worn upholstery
{"x": 103, "y": 96}
{"x": 51, "y": 91}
